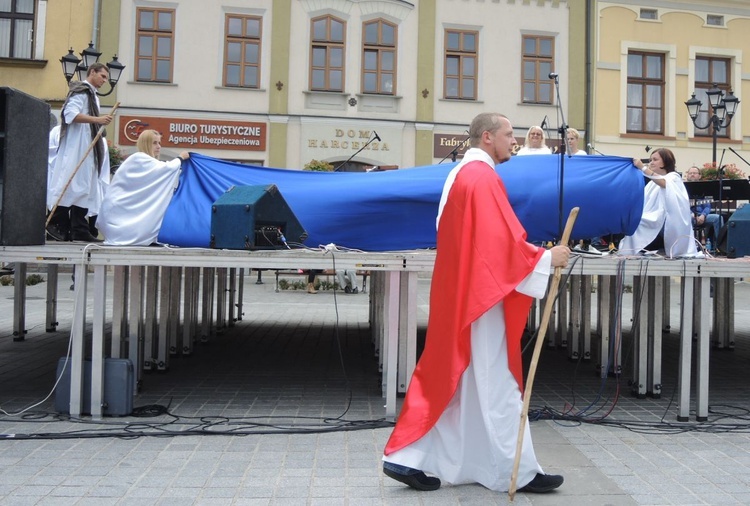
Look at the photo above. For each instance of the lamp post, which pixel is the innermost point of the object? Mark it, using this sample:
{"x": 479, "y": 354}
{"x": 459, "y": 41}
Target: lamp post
{"x": 722, "y": 112}
{"x": 72, "y": 65}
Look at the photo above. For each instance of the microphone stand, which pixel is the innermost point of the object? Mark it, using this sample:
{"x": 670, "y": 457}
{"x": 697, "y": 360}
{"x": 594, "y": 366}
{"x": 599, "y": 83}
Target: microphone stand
{"x": 454, "y": 152}
{"x": 563, "y": 131}
{"x": 336, "y": 169}
{"x": 738, "y": 155}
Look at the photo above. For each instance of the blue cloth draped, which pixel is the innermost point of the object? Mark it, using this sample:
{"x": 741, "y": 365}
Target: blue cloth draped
{"x": 396, "y": 210}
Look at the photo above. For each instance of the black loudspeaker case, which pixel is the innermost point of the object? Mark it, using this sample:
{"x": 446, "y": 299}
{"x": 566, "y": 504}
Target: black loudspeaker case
{"x": 24, "y": 139}
{"x": 738, "y": 233}
{"x": 254, "y": 217}
{"x": 118, "y": 386}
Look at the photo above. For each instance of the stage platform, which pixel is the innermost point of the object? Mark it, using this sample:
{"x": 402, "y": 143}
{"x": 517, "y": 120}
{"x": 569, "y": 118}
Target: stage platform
{"x": 165, "y": 299}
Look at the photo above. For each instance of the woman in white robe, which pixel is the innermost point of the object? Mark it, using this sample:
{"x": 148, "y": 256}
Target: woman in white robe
{"x": 666, "y": 210}
{"x": 138, "y": 196}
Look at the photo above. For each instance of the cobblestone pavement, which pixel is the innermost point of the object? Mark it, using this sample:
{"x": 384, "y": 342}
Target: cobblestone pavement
{"x": 284, "y": 408}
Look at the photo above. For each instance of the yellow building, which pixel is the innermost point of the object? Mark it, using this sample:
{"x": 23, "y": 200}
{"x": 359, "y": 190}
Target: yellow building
{"x": 37, "y": 33}
{"x": 650, "y": 57}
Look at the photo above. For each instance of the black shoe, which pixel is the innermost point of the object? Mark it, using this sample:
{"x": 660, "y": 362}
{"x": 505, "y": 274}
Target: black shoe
{"x": 543, "y": 483}
{"x": 86, "y": 237}
{"x": 412, "y": 477}
{"x": 347, "y": 289}
{"x": 356, "y": 290}
{"x": 54, "y": 234}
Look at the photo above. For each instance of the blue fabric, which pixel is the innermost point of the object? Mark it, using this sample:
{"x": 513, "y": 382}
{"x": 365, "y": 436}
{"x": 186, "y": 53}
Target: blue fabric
{"x": 396, "y": 210}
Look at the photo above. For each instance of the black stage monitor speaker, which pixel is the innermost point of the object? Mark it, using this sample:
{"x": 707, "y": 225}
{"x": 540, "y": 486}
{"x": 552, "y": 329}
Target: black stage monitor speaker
{"x": 24, "y": 137}
{"x": 254, "y": 217}
{"x": 738, "y": 233}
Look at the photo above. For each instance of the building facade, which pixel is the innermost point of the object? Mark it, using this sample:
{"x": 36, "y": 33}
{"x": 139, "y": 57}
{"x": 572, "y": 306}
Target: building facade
{"x": 650, "y": 58}
{"x": 381, "y": 82}
{"x": 284, "y": 82}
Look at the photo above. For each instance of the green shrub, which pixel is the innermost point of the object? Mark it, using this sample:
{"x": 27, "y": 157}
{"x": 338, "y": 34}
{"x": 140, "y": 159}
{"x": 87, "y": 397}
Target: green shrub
{"x": 34, "y": 279}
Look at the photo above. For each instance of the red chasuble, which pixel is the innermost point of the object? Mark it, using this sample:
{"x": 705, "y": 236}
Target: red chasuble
{"x": 482, "y": 255}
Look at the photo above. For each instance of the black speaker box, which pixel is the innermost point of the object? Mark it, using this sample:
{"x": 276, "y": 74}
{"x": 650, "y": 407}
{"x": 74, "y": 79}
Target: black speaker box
{"x": 738, "y": 233}
{"x": 254, "y": 217}
{"x": 24, "y": 137}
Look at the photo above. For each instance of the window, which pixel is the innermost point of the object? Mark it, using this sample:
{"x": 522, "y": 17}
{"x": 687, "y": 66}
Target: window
{"x": 714, "y": 20}
{"x": 17, "y": 28}
{"x": 710, "y": 71}
{"x": 461, "y": 55}
{"x": 645, "y": 93}
{"x": 327, "y": 54}
{"x": 242, "y": 51}
{"x": 379, "y": 57}
{"x": 649, "y": 14}
{"x": 538, "y": 62}
{"x": 154, "y": 45}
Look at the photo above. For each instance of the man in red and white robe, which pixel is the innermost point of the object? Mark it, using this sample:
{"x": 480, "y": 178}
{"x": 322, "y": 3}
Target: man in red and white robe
{"x": 462, "y": 410}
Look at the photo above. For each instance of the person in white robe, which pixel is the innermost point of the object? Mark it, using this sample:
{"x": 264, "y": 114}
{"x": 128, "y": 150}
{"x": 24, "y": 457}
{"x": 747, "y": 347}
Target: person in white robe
{"x": 535, "y": 143}
{"x": 138, "y": 196}
{"x": 474, "y": 438}
{"x": 72, "y": 194}
{"x": 666, "y": 210}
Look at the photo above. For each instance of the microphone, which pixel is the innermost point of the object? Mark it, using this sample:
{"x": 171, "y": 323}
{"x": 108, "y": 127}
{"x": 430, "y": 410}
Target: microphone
{"x": 543, "y": 126}
{"x": 376, "y": 136}
{"x": 552, "y": 75}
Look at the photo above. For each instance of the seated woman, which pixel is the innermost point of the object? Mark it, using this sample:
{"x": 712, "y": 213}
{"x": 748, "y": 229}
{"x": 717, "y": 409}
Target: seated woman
{"x": 666, "y": 210}
{"x": 137, "y": 198}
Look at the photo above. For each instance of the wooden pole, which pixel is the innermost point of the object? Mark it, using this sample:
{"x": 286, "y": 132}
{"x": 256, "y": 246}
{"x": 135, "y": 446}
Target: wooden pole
{"x": 537, "y": 351}
{"x": 75, "y": 171}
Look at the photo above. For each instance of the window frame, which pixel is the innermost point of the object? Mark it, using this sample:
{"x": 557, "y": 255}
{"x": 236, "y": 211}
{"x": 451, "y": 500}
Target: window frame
{"x": 14, "y": 17}
{"x": 540, "y": 79}
{"x": 644, "y": 82}
{"x": 244, "y": 39}
{"x": 462, "y": 55}
{"x": 154, "y": 33}
{"x": 380, "y": 48}
{"x": 327, "y": 44}
{"x": 705, "y": 111}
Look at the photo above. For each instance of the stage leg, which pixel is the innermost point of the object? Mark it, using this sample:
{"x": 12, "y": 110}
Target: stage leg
{"x": 702, "y": 285}
{"x": 52, "y": 273}
{"x": 78, "y": 344}
{"x": 19, "y": 302}
{"x": 97, "y": 342}
{"x": 407, "y": 329}
{"x": 120, "y": 298}
{"x": 151, "y": 333}
{"x": 390, "y": 342}
{"x": 686, "y": 345}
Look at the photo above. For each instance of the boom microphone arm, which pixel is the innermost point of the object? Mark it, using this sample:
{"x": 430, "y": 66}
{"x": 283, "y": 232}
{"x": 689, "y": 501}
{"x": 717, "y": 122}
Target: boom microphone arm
{"x": 376, "y": 138}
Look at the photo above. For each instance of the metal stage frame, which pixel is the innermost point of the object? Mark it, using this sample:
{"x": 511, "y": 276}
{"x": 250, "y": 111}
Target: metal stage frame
{"x": 156, "y": 307}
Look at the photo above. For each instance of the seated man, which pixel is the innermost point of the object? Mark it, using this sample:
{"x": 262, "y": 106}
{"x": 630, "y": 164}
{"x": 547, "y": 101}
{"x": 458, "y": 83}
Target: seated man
{"x": 347, "y": 280}
{"x": 702, "y": 217}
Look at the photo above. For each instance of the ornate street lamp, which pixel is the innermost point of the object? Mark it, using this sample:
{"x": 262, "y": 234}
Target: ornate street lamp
{"x": 722, "y": 112}
{"x": 72, "y": 65}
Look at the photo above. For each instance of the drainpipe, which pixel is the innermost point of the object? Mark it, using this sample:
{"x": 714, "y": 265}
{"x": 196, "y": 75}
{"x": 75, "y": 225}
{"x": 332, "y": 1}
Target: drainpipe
{"x": 589, "y": 62}
{"x": 95, "y": 27}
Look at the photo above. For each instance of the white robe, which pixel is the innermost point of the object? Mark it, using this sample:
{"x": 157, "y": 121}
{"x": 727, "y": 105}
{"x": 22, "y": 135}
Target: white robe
{"x": 85, "y": 189}
{"x": 544, "y": 150}
{"x": 474, "y": 440}
{"x": 668, "y": 209}
{"x": 136, "y": 200}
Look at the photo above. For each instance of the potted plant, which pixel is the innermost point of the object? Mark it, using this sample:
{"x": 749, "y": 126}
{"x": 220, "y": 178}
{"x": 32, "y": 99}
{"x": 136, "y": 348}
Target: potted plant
{"x": 318, "y": 166}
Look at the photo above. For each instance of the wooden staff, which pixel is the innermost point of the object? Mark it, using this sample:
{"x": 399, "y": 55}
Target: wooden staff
{"x": 75, "y": 171}
{"x": 537, "y": 351}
